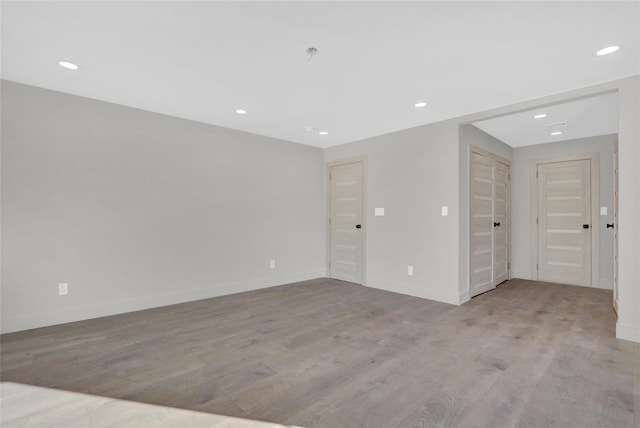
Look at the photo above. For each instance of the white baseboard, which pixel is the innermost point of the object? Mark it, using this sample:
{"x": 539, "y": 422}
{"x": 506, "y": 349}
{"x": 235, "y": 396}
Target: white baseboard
{"x": 604, "y": 283}
{"x": 628, "y": 332}
{"x": 414, "y": 290}
{"x": 49, "y": 318}
{"x": 464, "y": 297}
{"x": 520, "y": 274}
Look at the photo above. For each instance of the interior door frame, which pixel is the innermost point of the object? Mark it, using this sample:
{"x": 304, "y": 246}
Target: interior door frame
{"x": 615, "y": 226}
{"x": 482, "y": 152}
{"x": 328, "y": 166}
{"x": 594, "y": 159}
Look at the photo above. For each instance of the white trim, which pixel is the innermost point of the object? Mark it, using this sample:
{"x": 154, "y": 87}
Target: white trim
{"x": 415, "y": 290}
{"x": 627, "y": 332}
{"x": 520, "y": 274}
{"x": 102, "y": 309}
{"x": 605, "y": 284}
{"x": 464, "y": 297}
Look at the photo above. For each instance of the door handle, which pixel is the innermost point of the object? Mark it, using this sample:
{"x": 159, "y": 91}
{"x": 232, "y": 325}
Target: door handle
{"x": 585, "y": 226}
{"x": 496, "y": 224}
{"x": 610, "y": 226}
{"x": 358, "y": 226}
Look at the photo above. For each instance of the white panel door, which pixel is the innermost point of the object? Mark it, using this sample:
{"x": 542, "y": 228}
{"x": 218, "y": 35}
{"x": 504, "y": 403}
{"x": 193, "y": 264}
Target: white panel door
{"x": 500, "y": 223}
{"x": 481, "y": 225}
{"x": 564, "y": 222}
{"x": 345, "y": 222}
{"x": 489, "y": 223}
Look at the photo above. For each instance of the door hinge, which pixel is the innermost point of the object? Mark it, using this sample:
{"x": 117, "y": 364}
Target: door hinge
{"x": 537, "y": 268}
{"x": 329, "y": 265}
{"x": 329, "y": 177}
{"x": 536, "y": 174}
{"x": 508, "y": 265}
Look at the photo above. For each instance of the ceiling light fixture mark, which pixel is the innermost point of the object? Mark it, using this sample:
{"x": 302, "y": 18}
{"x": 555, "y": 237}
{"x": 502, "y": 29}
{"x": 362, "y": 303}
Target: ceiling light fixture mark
{"x": 540, "y": 116}
{"x": 557, "y": 125}
{"x": 311, "y": 52}
{"x": 68, "y": 65}
{"x": 556, "y": 133}
{"x": 420, "y": 104}
{"x": 323, "y": 133}
{"x": 608, "y": 50}
{"x": 241, "y": 111}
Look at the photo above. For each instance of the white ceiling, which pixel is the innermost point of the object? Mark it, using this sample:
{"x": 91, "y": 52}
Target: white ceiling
{"x": 204, "y": 60}
{"x": 587, "y": 117}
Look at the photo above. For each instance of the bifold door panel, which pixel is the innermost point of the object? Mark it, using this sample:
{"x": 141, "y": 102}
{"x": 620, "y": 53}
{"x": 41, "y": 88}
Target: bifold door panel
{"x": 489, "y": 223}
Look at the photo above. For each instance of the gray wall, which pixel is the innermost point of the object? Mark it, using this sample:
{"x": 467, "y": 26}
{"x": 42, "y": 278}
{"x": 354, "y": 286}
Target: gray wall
{"x": 414, "y": 172}
{"x": 411, "y": 174}
{"x": 472, "y": 136}
{"x": 135, "y": 209}
{"x": 521, "y": 201}
{"x": 71, "y": 171}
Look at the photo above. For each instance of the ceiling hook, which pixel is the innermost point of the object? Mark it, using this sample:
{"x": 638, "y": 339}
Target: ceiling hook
{"x": 311, "y": 52}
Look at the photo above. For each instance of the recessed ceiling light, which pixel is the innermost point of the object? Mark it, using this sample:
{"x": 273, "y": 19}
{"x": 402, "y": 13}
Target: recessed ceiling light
{"x": 323, "y": 133}
{"x": 420, "y": 104}
{"x": 241, "y": 111}
{"x": 540, "y": 116}
{"x": 556, "y": 133}
{"x": 68, "y": 65}
{"x": 608, "y": 50}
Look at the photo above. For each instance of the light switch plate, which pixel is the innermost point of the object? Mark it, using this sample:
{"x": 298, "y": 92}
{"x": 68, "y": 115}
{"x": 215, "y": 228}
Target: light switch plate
{"x": 603, "y": 210}
{"x": 63, "y": 289}
{"x": 378, "y": 212}
{"x": 445, "y": 211}
{"x": 410, "y": 270}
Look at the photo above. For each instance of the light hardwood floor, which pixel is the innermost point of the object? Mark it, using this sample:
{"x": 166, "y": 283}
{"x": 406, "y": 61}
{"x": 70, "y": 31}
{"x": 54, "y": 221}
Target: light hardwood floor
{"x": 326, "y": 353}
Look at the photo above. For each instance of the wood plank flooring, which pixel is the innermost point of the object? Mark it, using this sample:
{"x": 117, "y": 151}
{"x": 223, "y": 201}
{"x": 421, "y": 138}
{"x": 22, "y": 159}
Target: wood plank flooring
{"x": 326, "y": 353}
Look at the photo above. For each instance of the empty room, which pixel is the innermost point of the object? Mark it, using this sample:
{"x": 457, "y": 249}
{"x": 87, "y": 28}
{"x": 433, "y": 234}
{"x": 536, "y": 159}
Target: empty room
{"x": 320, "y": 214}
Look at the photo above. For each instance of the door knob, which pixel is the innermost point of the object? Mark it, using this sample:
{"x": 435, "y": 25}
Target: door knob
{"x": 358, "y": 226}
{"x": 610, "y": 226}
{"x": 496, "y": 224}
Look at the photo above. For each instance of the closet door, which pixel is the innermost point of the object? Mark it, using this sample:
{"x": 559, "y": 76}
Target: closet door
{"x": 500, "y": 223}
{"x": 489, "y": 222}
{"x": 481, "y": 224}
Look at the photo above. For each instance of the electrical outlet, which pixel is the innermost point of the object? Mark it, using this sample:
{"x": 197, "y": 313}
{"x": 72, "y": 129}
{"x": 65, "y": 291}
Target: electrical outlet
{"x": 272, "y": 264}
{"x": 444, "y": 211}
{"x": 410, "y": 270}
{"x": 603, "y": 210}
{"x": 63, "y": 289}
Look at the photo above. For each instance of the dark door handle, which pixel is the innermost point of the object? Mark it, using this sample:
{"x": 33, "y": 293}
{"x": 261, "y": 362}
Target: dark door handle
{"x": 358, "y": 226}
{"x": 610, "y": 226}
{"x": 585, "y": 226}
{"x": 496, "y": 224}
